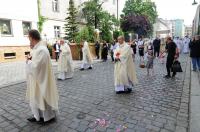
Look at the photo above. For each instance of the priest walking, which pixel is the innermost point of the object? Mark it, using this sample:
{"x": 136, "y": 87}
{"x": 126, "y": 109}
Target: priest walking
{"x": 124, "y": 72}
{"x": 65, "y": 62}
{"x": 42, "y": 91}
{"x": 87, "y": 58}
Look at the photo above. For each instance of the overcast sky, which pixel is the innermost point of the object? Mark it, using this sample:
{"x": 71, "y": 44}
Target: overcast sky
{"x": 174, "y": 9}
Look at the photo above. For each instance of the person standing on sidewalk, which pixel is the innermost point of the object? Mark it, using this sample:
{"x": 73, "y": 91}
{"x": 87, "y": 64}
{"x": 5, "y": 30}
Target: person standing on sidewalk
{"x": 104, "y": 52}
{"x": 87, "y": 58}
{"x": 171, "y": 49}
{"x": 65, "y": 62}
{"x": 56, "y": 47}
{"x": 112, "y": 49}
{"x": 42, "y": 92}
{"x": 140, "y": 45}
{"x": 195, "y": 53}
{"x": 97, "y": 47}
{"x": 156, "y": 46}
{"x": 124, "y": 72}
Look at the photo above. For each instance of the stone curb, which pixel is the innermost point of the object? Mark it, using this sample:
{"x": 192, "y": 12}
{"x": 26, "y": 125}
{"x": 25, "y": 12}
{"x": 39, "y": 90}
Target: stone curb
{"x": 23, "y": 81}
{"x": 194, "y": 125}
{"x": 182, "y": 119}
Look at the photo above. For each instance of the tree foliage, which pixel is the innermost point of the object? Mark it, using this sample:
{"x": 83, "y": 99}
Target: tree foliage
{"x": 140, "y": 7}
{"x": 41, "y": 19}
{"x": 92, "y": 12}
{"x": 139, "y": 11}
{"x": 98, "y": 18}
{"x": 116, "y": 34}
{"x": 71, "y": 27}
{"x": 138, "y": 24}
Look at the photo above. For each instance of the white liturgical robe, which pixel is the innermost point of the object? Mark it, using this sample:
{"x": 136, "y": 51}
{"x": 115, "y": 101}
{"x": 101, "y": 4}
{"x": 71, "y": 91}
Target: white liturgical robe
{"x": 124, "y": 72}
{"x": 42, "y": 91}
{"x": 65, "y": 63}
{"x": 87, "y": 58}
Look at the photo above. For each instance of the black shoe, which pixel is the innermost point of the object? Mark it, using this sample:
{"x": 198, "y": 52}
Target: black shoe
{"x": 32, "y": 119}
{"x": 128, "y": 90}
{"x": 82, "y": 69}
{"x": 167, "y": 76}
{"x": 90, "y": 68}
{"x": 119, "y": 92}
{"x": 42, "y": 122}
{"x": 173, "y": 76}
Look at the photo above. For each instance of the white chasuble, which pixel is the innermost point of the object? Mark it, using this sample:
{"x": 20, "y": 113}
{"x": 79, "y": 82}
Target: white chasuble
{"x": 87, "y": 58}
{"x": 65, "y": 63}
{"x": 42, "y": 91}
{"x": 124, "y": 71}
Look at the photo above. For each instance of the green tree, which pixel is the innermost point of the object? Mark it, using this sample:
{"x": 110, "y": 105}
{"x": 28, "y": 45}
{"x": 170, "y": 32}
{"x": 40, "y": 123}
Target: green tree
{"x": 41, "y": 19}
{"x": 106, "y": 26}
{"x": 82, "y": 35}
{"x": 92, "y": 12}
{"x": 117, "y": 33}
{"x": 145, "y": 8}
{"x": 71, "y": 26}
{"x": 140, "y": 7}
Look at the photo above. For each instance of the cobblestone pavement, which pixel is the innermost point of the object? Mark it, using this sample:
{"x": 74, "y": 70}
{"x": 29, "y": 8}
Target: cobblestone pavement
{"x": 88, "y": 103}
{"x": 14, "y": 72}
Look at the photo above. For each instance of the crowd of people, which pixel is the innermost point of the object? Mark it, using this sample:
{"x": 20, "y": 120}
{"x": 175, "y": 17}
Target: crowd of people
{"x": 42, "y": 91}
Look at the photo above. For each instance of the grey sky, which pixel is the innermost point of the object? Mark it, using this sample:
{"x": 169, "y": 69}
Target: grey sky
{"x": 173, "y": 9}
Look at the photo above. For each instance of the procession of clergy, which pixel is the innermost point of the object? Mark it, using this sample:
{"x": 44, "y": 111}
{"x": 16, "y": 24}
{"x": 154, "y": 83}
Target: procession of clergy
{"x": 42, "y": 92}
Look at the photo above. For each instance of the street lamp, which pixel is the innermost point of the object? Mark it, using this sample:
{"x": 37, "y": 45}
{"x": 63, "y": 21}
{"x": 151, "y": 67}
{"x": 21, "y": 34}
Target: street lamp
{"x": 117, "y": 9}
{"x": 194, "y": 3}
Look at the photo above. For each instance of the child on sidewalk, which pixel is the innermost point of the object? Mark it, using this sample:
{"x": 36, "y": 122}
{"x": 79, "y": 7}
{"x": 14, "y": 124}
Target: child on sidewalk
{"x": 150, "y": 59}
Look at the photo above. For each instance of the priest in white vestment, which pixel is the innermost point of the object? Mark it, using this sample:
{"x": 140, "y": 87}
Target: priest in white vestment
{"x": 186, "y": 42}
{"x": 87, "y": 58}
{"x": 65, "y": 62}
{"x": 42, "y": 91}
{"x": 124, "y": 72}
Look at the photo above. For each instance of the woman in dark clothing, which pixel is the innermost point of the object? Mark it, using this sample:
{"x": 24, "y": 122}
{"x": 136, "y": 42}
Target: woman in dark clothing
{"x": 104, "y": 52}
{"x": 134, "y": 47}
{"x": 195, "y": 53}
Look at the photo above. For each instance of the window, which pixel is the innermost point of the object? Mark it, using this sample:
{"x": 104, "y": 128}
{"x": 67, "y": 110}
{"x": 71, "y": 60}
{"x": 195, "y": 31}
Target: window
{"x": 10, "y": 55}
{"x": 5, "y": 27}
{"x": 26, "y": 27}
{"x": 57, "y": 31}
{"x": 27, "y": 53}
{"x": 55, "y": 5}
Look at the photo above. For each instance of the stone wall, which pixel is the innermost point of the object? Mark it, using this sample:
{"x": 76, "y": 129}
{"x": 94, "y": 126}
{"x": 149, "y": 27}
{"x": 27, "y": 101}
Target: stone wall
{"x": 18, "y": 50}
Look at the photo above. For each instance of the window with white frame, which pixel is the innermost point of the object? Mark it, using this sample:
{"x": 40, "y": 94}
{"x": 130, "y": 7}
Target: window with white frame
{"x": 26, "y": 27}
{"x": 5, "y": 27}
{"x": 55, "y": 5}
{"x": 57, "y": 31}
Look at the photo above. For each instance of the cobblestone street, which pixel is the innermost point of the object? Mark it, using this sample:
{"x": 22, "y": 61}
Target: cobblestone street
{"x": 88, "y": 103}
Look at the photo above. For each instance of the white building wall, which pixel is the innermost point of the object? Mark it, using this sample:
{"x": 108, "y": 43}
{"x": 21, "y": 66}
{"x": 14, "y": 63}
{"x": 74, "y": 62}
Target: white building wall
{"x": 110, "y": 6}
{"x": 18, "y": 11}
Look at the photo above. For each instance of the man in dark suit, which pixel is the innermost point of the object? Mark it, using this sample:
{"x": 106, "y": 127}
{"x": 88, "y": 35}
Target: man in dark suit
{"x": 156, "y": 45}
{"x": 171, "y": 49}
{"x": 56, "y": 47}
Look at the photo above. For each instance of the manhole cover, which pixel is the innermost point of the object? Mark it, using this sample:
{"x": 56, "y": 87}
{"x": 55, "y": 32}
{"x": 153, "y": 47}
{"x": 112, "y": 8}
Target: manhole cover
{"x": 81, "y": 116}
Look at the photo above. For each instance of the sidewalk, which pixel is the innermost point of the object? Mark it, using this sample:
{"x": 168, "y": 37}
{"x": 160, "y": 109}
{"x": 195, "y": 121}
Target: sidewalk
{"x": 195, "y": 102}
{"x": 14, "y": 72}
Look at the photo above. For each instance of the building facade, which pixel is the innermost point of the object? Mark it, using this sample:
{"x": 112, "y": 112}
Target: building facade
{"x": 15, "y": 21}
{"x": 162, "y": 28}
{"x": 178, "y": 28}
{"x": 56, "y": 11}
{"x": 188, "y": 31}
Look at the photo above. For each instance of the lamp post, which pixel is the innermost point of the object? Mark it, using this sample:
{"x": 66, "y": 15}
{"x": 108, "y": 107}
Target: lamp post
{"x": 194, "y": 2}
{"x": 117, "y": 9}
